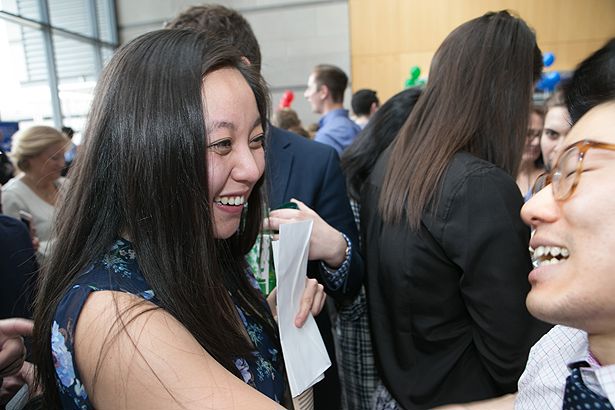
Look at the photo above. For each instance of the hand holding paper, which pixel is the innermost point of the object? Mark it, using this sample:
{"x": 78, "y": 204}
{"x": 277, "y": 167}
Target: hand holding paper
{"x": 304, "y": 351}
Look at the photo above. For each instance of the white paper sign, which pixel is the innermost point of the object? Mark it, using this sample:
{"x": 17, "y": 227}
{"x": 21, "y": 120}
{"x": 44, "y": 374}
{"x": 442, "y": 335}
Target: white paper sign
{"x": 304, "y": 351}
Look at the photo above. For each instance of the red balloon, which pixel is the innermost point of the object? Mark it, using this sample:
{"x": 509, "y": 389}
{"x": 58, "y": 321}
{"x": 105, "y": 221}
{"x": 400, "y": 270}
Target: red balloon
{"x": 287, "y": 99}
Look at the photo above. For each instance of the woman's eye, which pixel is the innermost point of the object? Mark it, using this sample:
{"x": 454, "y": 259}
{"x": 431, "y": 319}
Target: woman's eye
{"x": 551, "y": 134}
{"x": 257, "y": 142}
{"x": 222, "y": 147}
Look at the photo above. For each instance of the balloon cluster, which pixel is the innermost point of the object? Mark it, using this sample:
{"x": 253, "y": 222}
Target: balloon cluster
{"x": 286, "y": 100}
{"x": 549, "y": 80}
{"x": 413, "y": 78}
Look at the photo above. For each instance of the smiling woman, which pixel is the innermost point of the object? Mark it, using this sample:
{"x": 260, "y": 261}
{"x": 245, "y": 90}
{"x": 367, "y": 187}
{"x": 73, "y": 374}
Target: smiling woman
{"x": 235, "y": 153}
{"x": 147, "y": 302}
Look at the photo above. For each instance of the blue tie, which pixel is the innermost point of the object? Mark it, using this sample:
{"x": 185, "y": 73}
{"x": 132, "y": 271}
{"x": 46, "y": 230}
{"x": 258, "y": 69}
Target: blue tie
{"x": 579, "y": 397}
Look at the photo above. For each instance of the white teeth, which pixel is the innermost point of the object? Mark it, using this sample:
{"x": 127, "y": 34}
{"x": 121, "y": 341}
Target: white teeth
{"x": 230, "y": 200}
{"x": 549, "y": 255}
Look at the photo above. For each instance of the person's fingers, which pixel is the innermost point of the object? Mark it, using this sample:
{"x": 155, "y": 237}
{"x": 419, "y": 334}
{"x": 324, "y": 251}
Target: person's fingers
{"x": 319, "y": 300}
{"x": 13, "y": 327}
{"x": 285, "y": 213}
{"x": 311, "y": 286}
{"x": 12, "y": 356}
{"x": 27, "y": 373}
{"x": 301, "y": 205}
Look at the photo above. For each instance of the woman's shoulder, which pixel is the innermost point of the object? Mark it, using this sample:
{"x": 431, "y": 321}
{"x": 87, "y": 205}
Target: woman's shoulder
{"x": 466, "y": 168}
{"x": 115, "y": 270}
{"x": 13, "y": 185}
{"x": 469, "y": 178}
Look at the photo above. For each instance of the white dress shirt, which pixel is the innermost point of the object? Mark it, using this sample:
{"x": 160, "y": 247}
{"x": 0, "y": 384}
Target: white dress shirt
{"x": 542, "y": 384}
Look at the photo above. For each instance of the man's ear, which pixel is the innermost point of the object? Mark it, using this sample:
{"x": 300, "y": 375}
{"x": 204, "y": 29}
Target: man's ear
{"x": 373, "y": 108}
{"x": 324, "y": 92}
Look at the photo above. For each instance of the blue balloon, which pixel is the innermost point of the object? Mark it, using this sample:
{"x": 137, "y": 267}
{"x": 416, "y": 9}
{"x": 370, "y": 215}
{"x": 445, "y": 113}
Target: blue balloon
{"x": 550, "y": 80}
{"x": 548, "y": 58}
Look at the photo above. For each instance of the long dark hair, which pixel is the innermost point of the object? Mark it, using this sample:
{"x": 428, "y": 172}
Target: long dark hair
{"x": 359, "y": 159}
{"x": 477, "y": 100}
{"x": 142, "y": 172}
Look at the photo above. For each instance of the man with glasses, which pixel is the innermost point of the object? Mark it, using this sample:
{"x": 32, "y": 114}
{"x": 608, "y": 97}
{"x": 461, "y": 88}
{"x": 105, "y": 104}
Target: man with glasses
{"x": 572, "y": 213}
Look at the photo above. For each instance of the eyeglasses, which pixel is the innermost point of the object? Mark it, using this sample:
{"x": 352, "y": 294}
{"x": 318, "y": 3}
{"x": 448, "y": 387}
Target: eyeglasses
{"x": 566, "y": 173}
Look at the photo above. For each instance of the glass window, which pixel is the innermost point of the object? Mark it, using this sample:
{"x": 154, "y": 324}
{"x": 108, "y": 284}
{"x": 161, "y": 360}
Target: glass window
{"x": 52, "y": 53}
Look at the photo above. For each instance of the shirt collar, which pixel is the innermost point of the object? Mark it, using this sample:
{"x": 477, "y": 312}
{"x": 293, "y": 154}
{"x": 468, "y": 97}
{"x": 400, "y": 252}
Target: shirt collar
{"x": 338, "y": 112}
{"x": 583, "y": 357}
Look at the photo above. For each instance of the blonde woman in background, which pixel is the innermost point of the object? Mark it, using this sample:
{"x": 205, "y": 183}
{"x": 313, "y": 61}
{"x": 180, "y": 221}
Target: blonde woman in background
{"x": 38, "y": 153}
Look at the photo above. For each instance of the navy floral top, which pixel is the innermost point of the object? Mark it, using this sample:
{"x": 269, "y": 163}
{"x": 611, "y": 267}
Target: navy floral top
{"x": 118, "y": 270}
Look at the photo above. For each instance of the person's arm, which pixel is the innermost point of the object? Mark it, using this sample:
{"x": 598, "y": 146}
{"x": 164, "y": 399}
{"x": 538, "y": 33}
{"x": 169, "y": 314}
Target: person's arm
{"x": 485, "y": 237}
{"x": 332, "y": 249}
{"x": 152, "y": 362}
{"x": 332, "y": 206}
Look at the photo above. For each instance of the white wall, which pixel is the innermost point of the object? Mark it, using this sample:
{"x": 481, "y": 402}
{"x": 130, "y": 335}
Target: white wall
{"x": 294, "y": 36}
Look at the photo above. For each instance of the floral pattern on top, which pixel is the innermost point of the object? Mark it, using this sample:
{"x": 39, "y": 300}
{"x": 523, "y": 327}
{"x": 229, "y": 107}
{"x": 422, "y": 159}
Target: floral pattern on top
{"x": 118, "y": 270}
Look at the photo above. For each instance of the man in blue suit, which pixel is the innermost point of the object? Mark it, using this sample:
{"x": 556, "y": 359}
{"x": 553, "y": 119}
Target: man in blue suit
{"x": 309, "y": 174}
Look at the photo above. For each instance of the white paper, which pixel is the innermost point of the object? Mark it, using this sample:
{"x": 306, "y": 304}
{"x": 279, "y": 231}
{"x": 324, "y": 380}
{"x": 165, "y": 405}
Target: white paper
{"x": 305, "y": 355}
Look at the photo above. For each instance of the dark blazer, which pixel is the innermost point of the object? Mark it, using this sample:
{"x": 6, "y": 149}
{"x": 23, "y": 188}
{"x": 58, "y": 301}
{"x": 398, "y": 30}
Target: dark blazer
{"x": 310, "y": 172}
{"x": 18, "y": 269}
{"x": 447, "y": 303}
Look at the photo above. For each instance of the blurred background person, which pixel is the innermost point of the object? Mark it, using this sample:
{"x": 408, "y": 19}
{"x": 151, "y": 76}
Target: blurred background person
{"x": 358, "y": 368}
{"x": 71, "y": 151}
{"x": 532, "y": 164}
{"x": 38, "y": 153}
{"x": 364, "y": 104}
{"x": 325, "y": 93}
{"x": 7, "y": 169}
{"x": 556, "y": 127}
{"x": 288, "y": 119}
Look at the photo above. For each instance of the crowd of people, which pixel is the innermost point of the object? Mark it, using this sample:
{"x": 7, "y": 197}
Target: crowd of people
{"x": 458, "y": 258}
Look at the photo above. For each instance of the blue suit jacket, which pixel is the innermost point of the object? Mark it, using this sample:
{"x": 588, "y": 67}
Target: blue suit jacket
{"x": 310, "y": 172}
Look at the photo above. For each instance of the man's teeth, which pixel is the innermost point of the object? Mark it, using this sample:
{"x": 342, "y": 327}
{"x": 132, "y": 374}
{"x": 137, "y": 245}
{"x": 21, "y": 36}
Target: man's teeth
{"x": 230, "y": 200}
{"x": 549, "y": 255}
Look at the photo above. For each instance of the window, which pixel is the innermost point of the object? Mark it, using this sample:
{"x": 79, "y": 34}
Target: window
{"x": 51, "y": 54}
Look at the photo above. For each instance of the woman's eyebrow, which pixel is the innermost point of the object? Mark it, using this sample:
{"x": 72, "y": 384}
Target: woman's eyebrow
{"x": 215, "y": 125}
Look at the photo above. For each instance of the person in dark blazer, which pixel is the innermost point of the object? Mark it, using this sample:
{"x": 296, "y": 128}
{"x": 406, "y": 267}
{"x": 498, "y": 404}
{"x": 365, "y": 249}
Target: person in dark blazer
{"x": 446, "y": 250}
{"x": 308, "y": 173}
{"x": 18, "y": 269}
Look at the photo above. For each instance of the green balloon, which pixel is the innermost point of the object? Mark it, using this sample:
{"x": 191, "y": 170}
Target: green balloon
{"x": 409, "y": 82}
{"x": 415, "y": 72}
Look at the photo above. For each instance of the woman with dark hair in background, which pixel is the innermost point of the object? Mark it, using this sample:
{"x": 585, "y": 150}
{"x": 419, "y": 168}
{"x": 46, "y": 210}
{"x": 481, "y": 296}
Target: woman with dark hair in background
{"x": 556, "y": 127}
{"x": 146, "y": 302}
{"x": 532, "y": 164}
{"x": 359, "y": 375}
{"x": 447, "y": 252}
